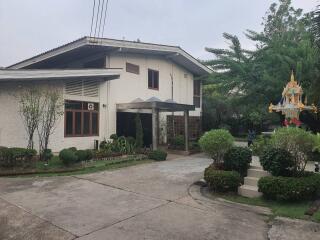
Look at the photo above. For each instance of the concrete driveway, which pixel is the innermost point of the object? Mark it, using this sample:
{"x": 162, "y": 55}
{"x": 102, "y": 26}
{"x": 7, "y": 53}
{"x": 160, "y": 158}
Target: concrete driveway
{"x": 149, "y": 201}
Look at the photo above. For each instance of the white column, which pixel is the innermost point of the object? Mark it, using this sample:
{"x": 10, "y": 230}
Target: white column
{"x": 155, "y": 128}
{"x": 186, "y": 130}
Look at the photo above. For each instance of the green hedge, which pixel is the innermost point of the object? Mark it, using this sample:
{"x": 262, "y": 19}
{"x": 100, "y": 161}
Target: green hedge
{"x": 237, "y": 159}
{"x": 17, "y": 157}
{"x": 68, "y": 156}
{"x": 84, "y": 155}
{"x": 158, "y": 155}
{"x": 222, "y": 181}
{"x": 278, "y": 162}
{"x": 290, "y": 188}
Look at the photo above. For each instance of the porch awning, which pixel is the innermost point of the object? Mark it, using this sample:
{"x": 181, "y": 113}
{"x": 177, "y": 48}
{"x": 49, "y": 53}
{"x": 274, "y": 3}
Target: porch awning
{"x": 8, "y": 75}
{"x": 154, "y": 103}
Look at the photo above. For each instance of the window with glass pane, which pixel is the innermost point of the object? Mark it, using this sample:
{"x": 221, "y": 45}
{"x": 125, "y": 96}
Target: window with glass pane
{"x": 197, "y": 93}
{"x": 153, "y": 79}
{"x": 95, "y": 123}
{"x": 86, "y": 123}
{"x": 69, "y": 122}
{"x": 80, "y": 119}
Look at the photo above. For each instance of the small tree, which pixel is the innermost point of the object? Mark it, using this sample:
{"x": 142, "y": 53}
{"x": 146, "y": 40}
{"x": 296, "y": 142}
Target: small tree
{"x": 52, "y": 110}
{"x": 139, "y": 132}
{"x": 216, "y": 143}
{"x": 30, "y": 109}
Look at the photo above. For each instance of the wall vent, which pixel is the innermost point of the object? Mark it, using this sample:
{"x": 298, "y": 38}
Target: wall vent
{"x": 87, "y": 88}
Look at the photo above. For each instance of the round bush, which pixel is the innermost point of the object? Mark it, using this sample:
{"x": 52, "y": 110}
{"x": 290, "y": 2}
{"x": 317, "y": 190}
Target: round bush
{"x": 158, "y": 155}
{"x": 68, "y": 156}
{"x": 238, "y": 159}
{"x": 278, "y": 162}
{"x": 73, "y": 149}
{"x": 298, "y": 142}
{"x": 290, "y": 188}
{"x": 84, "y": 155}
{"x": 216, "y": 143}
{"x": 222, "y": 181}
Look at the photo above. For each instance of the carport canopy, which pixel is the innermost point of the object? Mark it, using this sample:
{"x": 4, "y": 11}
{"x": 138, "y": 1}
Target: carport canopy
{"x": 156, "y": 105}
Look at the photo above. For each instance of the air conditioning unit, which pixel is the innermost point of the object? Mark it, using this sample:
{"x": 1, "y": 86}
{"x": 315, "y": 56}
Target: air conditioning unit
{"x": 91, "y": 106}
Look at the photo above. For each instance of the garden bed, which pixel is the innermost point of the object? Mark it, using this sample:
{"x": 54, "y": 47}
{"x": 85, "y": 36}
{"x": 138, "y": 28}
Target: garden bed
{"x": 55, "y": 167}
{"x": 283, "y": 209}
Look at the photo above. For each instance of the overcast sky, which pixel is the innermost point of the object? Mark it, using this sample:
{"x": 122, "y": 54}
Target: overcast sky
{"x": 29, "y": 27}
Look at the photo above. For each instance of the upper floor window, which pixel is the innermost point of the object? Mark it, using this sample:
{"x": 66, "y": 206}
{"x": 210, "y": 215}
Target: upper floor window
{"x": 153, "y": 79}
{"x": 196, "y": 93}
{"x": 132, "y": 68}
{"x": 81, "y": 119}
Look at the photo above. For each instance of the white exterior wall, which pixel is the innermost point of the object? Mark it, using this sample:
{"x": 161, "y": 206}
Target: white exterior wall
{"x": 131, "y": 86}
{"x": 12, "y": 131}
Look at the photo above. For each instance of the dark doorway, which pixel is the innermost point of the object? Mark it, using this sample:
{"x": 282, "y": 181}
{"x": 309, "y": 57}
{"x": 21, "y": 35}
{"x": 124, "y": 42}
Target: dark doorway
{"x": 126, "y": 126}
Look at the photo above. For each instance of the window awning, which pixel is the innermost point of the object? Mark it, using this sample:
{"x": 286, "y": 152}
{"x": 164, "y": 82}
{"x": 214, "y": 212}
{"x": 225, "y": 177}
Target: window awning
{"x": 8, "y": 75}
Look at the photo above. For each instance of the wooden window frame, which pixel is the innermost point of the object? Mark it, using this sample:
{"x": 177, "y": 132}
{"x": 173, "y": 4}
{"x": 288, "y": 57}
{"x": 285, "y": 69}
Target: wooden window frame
{"x": 196, "y": 94}
{"x": 130, "y": 68}
{"x": 82, "y": 111}
{"x": 151, "y": 87}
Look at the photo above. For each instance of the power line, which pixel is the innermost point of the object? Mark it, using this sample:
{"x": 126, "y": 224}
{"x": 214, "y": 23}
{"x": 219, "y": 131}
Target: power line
{"x": 95, "y": 29}
{"x": 94, "y": 6}
{"x": 105, "y": 16}
{"x": 101, "y": 15}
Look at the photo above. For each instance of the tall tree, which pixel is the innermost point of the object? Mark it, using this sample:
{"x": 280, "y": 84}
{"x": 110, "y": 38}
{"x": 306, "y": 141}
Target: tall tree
{"x": 257, "y": 77}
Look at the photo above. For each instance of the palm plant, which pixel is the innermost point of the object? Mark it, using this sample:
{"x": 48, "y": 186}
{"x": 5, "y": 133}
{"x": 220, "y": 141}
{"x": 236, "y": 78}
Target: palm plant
{"x": 316, "y": 26}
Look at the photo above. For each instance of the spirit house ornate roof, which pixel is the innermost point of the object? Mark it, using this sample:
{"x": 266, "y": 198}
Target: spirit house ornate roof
{"x": 291, "y": 102}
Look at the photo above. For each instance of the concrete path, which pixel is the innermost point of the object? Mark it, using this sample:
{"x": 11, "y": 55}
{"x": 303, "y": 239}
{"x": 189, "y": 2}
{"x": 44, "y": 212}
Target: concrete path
{"x": 150, "y": 201}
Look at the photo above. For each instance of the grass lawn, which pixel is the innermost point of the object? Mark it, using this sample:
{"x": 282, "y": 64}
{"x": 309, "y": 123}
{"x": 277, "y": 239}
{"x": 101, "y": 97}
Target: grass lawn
{"x": 290, "y": 210}
{"x": 90, "y": 167}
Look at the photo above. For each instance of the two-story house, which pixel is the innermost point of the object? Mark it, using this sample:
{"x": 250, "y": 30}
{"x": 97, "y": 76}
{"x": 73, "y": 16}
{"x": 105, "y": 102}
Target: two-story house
{"x": 104, "y": 83}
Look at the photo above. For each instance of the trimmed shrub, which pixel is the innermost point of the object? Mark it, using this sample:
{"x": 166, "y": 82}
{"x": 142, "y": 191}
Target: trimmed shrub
{"x": 47, "y": 154}
{"x": 84, "y": 155}
{"x": 68, "y": 157}
{"x": 73, "y": 149}
{"x": 216, "y": 143}
{"x": 290, "y": 188}
{"x": 222, "y": 181}
{"x": 298, "y": 142}
{"x": 238, "y": 159}
{"x": 158, "y": 155}
{"x": 278, "y": 162}
{"x": 17, "y": 157}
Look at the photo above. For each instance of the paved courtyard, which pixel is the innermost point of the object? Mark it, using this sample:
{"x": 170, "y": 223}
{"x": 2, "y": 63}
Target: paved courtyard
{"x": 150, "y": 201}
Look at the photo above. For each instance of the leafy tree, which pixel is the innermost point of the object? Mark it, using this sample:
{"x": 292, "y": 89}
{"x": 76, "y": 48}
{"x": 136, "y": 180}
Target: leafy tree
{"x": 253, "y": 79}
{"x": 30, "y": 109}
{"x": 316, "y": 26}
{"x": 52, "y": 110}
